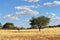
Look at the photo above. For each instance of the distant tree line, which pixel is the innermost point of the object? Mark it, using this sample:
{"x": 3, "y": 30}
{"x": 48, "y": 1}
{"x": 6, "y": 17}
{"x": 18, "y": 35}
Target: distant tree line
{"x": 9, "y": 26}
{"x": 54, "y": 26}
{"x": 36, "y": 23}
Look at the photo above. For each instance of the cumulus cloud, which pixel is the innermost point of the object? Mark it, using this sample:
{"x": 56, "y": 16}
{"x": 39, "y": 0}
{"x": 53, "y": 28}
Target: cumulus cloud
{"x": 32, "y": 0}
{"x": 9, "y": 16}
{"x": 26, "y": 10}
{"x": 54, "y": 18}
{"x": 26, "y": 7}
{"x": 54, "y": 3}
{"x": 17, "y": 14}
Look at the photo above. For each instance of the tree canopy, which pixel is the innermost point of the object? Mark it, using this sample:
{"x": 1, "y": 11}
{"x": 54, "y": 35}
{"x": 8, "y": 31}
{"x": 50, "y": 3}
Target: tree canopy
{"x": 39, "y": 21}
{"x": 8, "y": 25}
{"x": 0, "y": 25}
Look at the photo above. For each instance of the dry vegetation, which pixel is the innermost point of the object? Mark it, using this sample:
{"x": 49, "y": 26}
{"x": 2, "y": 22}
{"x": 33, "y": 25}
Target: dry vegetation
{"x": 32, "y": 34}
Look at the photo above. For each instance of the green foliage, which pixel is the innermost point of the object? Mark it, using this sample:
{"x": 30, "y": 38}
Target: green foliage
{"x": 33, "y": 27}
{"x": 39, "y": 22}
{"x": 43, "y": 21}
{"x": 0, "y": 25}
{"x": 21, "y": 27}
{"x": 8, "y": 26}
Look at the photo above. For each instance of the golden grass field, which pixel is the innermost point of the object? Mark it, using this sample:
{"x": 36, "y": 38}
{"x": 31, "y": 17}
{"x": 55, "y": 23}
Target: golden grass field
{"x": 31, "y": 34}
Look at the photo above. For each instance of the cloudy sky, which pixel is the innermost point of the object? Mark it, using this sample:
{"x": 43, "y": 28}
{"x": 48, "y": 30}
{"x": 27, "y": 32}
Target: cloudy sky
{"x": 20, "y": 12}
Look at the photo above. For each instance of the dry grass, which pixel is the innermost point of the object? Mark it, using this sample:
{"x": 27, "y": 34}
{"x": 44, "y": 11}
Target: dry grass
{"x": 33, "y": 34}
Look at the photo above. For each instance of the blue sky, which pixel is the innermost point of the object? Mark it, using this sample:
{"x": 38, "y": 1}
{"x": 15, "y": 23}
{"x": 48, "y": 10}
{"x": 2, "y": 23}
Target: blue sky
{"x": 20, "y": 12}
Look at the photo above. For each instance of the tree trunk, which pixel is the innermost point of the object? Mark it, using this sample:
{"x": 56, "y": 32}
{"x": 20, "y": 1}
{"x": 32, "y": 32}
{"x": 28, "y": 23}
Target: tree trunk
{"x": 39, "y": 28}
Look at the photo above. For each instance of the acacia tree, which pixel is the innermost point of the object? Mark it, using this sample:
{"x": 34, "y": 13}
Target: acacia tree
{"x": 39, "y": 22}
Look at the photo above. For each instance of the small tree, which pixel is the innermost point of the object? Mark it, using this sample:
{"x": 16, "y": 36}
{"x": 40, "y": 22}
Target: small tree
{"x": 21, "y": 27}
{"x": 0, "y": 25}
{"x": 8, "y": 25}
{"x": 39, "y": 22}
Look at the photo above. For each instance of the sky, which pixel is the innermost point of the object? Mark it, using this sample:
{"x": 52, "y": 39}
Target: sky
{"x": 20, "y": 12}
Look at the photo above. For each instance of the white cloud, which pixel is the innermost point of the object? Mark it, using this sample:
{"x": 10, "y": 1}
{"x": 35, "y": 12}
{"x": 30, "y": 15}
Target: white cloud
{"x": 18, "y": 14}
{"x": 32, "y": 0}
{"x": 48, "y": 4}
{"x": 54, "y": 19}
{"x": 25, "y": 10}
{"x": 26, "y": 7}
{"x": 55, "y": 16}
{"x": 9, "y": 16}
{"x": 54, "y": 3}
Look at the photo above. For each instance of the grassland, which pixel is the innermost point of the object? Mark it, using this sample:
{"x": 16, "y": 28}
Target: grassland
{"x": 31, "y": 34}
